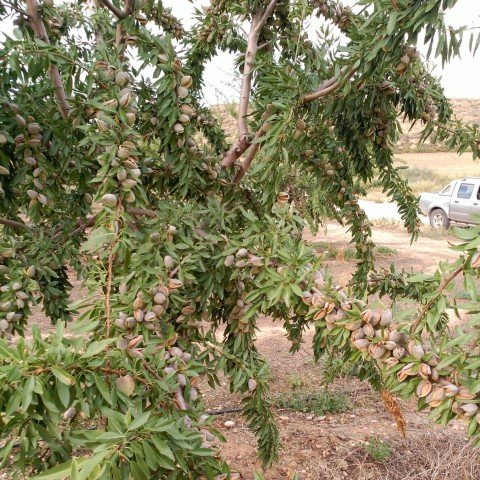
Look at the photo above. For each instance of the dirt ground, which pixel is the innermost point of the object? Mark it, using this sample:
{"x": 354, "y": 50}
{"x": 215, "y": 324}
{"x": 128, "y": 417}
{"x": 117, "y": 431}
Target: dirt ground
{"x": 333, "y": 446}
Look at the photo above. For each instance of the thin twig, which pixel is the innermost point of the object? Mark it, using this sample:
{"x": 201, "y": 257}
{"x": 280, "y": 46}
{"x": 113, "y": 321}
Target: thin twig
{"x": 41, "y": 33}
{"x": 111, "y": 258}
{"x": 177, "y": 268}
{"x": 429, "y": 304}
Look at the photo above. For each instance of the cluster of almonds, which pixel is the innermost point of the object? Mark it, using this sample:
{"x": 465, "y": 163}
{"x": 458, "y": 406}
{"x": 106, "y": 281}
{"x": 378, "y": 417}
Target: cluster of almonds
{"x": 216, "y": 20}
{"x": 147, "y": 313}
{"x": 30, "y": 141}
{"x": 237, "y": 315}
{"x": 410, "y": 53}
{"x": 157, "y": 236}
{"x": 243, "y": 258}
{"x": 339, "y": 14}
{"x": 176, "y": 361}
{"x": 15, "y": 300}
{"x": 124, "y": 164}
{"x": 378, "y": 132}
{"x": 125, "y": 98}
{"x": 206, "y": 120}
{"x": 211, "y": 167}
{"x": 300, "y": 127}
{"x": 184, "y": 83}
{"x": 168, "y": 22}
{"x": 430, "y": 109}
{"x": 376, "y": 334}
{"x": 127, "y": 172}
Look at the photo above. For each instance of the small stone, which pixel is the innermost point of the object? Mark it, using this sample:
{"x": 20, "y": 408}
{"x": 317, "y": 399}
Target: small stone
{"x": 320, "y": 418}
{"x": 229, "y": 424}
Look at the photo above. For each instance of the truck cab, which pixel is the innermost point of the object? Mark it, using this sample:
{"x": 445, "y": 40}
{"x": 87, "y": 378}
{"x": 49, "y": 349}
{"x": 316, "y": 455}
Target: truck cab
{"x": 459, "y": 201}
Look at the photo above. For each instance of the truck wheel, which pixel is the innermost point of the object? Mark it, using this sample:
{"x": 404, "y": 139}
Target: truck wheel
{"x": 438, "y": 219}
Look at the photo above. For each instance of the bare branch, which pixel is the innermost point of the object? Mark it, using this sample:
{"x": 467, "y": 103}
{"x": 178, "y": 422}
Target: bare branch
{"x": 115, "y": 10}
{"x": 14, "y": 224}
{"x": 329, "y": 86}
{"x": 41, "y": 33}
{"x": 243, "y": 141}
{"x": 252, "y": 47}
{"x": 269, "y": 10}
{"x": 249, "y": 159}
{"x": 142, "y": 212}
{"x": 120, "y": 32}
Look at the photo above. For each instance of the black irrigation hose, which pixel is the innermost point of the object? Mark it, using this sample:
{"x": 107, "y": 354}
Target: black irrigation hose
{"x": 224, "y": 410}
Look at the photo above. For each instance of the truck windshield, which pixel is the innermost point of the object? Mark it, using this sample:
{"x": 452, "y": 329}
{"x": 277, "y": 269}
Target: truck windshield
{"x": 447, "y": 190}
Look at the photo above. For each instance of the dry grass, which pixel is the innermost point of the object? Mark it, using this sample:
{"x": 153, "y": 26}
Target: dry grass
{"x": 423, "y": 457}
{"x": 428, "y": 172}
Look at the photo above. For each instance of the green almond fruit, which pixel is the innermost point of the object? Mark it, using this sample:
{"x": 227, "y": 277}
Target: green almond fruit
{"x": 20, "y": 120}
{"x": 109, "y": 200}
{"x": 125, "y": 385}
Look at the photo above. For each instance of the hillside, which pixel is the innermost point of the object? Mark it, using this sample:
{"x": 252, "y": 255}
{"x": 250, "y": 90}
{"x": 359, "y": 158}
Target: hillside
{"x": 465, "y": 109}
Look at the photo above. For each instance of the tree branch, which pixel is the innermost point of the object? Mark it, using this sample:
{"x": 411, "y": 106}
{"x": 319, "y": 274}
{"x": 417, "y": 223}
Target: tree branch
{"x": 142, "y": 212}
{"x": 115, "y": 10}
{"x": 329, "y": 86}
{"x": 252, "y": 47}
{"x": 41, "y": 33}
{"x": 248, "y": 160}
{"x": 14, "y": 224}
{"x": 269, "y": 10}
{"x": 244, "y": 141}
{"x": 120, "y": 32}
{"x": 426, "y": 308}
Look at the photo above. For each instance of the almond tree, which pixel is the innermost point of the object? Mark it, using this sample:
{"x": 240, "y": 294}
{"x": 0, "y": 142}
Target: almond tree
{"x": 111, "y": 166}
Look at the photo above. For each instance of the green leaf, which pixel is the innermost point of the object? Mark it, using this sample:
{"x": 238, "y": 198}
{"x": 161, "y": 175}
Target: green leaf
{"x": 62, "y": 375}
{"x": 97, "y": 239}
{"x": 97, "y": 347}
{"x": 392, "y": 22}
{"x": 60, "y": 471}
{"x": 139, "y": 421}
{"x": 27, "y": 393}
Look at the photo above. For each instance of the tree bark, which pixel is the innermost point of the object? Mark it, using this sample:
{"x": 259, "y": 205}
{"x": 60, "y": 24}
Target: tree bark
{"x": 41, "y": 33}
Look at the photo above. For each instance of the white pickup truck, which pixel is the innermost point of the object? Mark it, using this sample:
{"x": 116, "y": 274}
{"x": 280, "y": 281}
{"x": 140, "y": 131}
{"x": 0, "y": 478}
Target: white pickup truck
{"x": 459, "y": 202}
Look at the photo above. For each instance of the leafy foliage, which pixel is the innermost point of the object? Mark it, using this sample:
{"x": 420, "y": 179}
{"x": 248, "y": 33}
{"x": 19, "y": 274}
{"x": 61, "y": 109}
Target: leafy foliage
{"x": 111, "y": 167}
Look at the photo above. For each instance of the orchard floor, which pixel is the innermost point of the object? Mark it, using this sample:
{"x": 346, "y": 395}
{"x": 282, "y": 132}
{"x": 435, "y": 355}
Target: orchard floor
{"x": 333, "y": 446}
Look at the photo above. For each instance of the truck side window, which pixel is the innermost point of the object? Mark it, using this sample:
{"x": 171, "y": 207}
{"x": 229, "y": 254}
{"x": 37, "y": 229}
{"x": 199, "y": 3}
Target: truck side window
{"x": 478, "y": 193}
{"x": 465, "y": 190}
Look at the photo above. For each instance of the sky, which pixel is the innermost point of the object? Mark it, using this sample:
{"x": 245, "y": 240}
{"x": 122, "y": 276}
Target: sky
{"x": 460, "y": 78}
